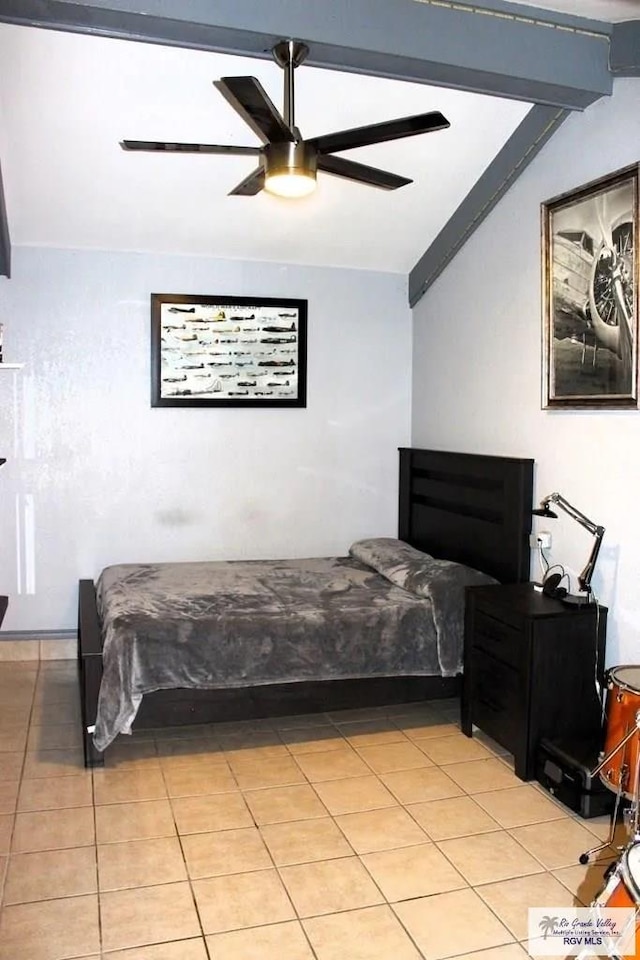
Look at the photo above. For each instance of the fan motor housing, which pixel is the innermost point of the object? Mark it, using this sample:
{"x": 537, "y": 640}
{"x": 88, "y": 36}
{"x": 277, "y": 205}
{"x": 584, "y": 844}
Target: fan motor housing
{"x": 290, "y": 158}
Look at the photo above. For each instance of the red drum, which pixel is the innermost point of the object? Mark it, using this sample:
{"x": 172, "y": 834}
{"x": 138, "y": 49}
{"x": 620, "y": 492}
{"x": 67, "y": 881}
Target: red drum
{"x": 623, "y": 703}
{"x": 622, "y": 889}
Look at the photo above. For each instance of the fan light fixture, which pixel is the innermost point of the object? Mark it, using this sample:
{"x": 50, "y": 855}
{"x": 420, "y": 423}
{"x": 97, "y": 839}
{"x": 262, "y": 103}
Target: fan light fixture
{"x": 290, "y": 169}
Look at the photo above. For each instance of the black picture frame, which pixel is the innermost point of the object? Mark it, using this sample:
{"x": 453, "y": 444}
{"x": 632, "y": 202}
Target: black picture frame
{"x": 590, "y": 294}
{"x": 218, "y": 351}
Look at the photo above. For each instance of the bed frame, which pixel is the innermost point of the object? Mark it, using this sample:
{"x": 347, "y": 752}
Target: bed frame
{"x": 469, "y": 508}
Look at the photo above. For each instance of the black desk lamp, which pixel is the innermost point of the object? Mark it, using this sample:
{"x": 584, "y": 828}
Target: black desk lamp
{"x": 584, "y": 579}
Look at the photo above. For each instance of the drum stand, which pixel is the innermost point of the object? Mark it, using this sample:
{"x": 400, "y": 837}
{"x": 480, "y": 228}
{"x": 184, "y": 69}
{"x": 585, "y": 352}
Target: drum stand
{"x": 632, "y": 815}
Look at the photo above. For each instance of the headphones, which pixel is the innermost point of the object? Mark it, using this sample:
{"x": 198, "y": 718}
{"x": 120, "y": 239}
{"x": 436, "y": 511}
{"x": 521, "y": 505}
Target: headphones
{"x": 551, "y": 587}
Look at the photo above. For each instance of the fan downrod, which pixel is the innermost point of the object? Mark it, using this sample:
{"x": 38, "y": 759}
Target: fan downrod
{"x": 289, "y": 54}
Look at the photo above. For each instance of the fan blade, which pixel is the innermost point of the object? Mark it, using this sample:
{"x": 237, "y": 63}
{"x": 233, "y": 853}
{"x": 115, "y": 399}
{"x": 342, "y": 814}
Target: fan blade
{"x": 250, "y": 185}
{"x": 379, "y": 132}
{"x": 154, "y": 146}
{"x": 249, "y": 98}
{"x": 340, "y": 167}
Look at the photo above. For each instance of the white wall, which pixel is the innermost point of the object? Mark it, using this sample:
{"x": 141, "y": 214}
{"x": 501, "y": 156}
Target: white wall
{"x": 94, "y": 476}
{"x": 477, "y": 366}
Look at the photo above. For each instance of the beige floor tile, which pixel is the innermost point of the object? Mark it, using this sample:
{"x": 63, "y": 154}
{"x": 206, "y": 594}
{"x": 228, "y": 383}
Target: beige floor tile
{"x": 280, "y": 804}
{"x": 45, "y": 713}
{"x": 54, "y": 793}
{"x": 196, "y": 750}
{"x": 226, "y": 851}
{"x": 372, "y": 933}
{"x": 454, "y": 749}
{"x": 394, "y": 756}
{"x": 223, "y": 811}
{"x": 411, "y": 872}
{"x": 584, "y": 882}
{"x": 242, "y": 900}
{"x": 478, "y": 776}
{"x": 7, "y": 823}
{"x": 252, "y": 745}
{"x": 196, "y": 781}
{"x": 278, "y": 772}
{"x": 11, "y": 765}
{"x": 557, "y": 843}
{"x": 451, "y": 923}
{"x": 454, "y": 817}
{"x": 334, "y": 765}
{"x": 383, "y": 829}
{"x": 511, "y": 899}
{"x": 510, "y": 951}
{"x": 327, "y": 886}
{"x": 518, "y": 806}
{"x": 126, "y": 786}
{"x": 53, "y": 763}
{"x": 312, "y": 740}
{"x": 52, "y": 874}
{"x": 600, "y": 826}
{"x": 305, "y": 840}
{"x": 50, "y": 929}
{"x": 372, "y": 733}
{"x": 14, "y": 716}
{"x": 278, "y": 941}
{"x": 140, "y": 863}
{"x": 488, "y": 857}
{"x": 132, "y": 918}
{"x": 13, "y": 739}
{"x": 417, "y": 729}
{"x": 354, "y": 794}
{"x": 119, "y": 822}
{"x": 413, "y": 786}
{"x": 60, "y": 736}
{"x": 53, "y": 830}
{"x": 178, "y": 950}
{"x": 129, "y": 753}
{"x": 8, "y": 795}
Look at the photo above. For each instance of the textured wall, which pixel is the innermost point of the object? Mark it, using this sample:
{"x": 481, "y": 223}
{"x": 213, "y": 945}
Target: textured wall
{"x": 477, "y": 365}
{"x": 95, "y": 476}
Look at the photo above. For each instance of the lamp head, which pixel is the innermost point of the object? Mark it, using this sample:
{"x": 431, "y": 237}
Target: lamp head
{"x": 544, "y": 511}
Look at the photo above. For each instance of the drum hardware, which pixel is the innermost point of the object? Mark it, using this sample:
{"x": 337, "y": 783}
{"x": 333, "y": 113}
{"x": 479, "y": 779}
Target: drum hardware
{"x": 632, "y": 815}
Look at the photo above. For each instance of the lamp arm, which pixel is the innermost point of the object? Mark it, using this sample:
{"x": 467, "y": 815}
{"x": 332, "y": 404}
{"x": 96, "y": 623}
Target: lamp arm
{"x": 560, "y": 501}
{"x": 584, "y": 579}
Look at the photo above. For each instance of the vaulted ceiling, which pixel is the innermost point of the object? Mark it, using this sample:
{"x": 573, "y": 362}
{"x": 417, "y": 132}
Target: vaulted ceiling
{"x": 75, "y": 79}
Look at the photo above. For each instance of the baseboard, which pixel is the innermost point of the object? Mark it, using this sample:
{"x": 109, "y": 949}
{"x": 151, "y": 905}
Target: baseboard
{"x": 35, "y": 645}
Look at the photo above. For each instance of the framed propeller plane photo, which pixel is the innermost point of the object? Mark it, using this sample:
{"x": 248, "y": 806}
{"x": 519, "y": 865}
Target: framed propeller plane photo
{"x": 590, "y": 290}
{"x": 228, "y": 351}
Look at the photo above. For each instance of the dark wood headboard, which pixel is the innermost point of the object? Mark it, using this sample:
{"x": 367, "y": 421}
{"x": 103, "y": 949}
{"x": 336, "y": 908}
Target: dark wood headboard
{"x": 469, "y": 508}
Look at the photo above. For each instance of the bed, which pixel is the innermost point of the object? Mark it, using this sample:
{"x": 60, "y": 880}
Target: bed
{"x": 196, "y": 642}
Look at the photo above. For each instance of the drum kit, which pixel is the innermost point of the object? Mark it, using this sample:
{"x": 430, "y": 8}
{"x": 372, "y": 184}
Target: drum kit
{"x": 619, "y": 770}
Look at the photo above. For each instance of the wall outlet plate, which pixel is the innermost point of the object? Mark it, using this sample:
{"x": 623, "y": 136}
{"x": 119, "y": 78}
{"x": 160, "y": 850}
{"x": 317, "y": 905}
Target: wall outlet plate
{"x": 540, "y": 540}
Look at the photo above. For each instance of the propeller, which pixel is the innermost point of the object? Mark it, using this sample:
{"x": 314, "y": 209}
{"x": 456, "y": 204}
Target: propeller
{"x": 286, "y": 160}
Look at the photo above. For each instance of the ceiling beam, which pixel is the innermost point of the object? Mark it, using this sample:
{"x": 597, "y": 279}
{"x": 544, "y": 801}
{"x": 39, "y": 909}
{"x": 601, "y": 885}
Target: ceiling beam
{"x": 482, "y": 47}
{"x": 522, "y": 146}
{"x": 625, "y": 49}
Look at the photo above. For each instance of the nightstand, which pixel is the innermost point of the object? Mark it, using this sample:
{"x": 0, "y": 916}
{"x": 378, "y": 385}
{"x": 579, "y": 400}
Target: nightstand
{"x": 530, "y": 668}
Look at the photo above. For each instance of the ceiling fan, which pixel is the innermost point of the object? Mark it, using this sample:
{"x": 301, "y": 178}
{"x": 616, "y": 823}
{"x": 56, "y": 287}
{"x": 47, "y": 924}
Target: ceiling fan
{"x": 288, "y": 163}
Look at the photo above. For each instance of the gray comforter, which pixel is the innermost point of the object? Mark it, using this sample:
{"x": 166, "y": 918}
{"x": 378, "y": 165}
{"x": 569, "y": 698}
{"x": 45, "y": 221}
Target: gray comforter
{"x": 385, "y": 610}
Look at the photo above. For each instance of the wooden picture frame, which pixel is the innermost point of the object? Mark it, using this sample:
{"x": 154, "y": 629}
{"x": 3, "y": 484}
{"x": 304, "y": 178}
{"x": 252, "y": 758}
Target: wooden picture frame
{"x": 211, "y": 351}
{"x": 590, "y": 295}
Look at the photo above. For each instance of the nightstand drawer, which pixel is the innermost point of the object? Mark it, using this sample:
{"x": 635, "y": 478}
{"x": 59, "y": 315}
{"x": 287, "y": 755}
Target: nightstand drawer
{"x": 496, "y": 699}
{"x": 498, "y": 639}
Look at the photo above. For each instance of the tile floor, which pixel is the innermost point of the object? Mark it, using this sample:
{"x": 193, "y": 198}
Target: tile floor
{"x": 363, "y": 835}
